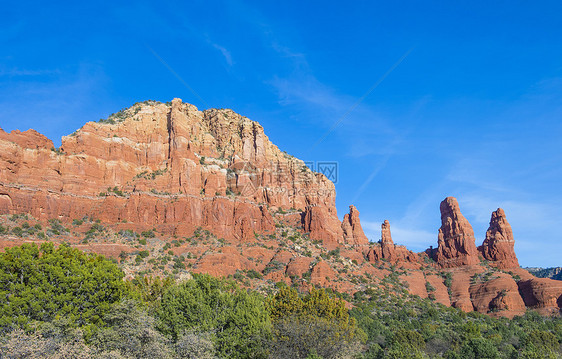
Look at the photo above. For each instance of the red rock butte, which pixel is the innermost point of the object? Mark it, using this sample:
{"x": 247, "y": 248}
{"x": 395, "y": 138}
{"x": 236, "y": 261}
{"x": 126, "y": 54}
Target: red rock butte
{"x": 179, "y": 170}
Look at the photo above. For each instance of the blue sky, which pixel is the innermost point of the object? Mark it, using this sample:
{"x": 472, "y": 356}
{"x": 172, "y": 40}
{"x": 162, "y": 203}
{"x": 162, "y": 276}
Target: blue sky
{"x": 471, "y": 108}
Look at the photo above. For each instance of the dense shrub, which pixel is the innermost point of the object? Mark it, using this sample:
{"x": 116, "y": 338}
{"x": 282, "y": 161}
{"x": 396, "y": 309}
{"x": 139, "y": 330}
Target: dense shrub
{"x": 19, "y": 344}
{"x": 195, "y": 345}
{"x": 41, "y": 283}
{"x": 131, "y": 332}
{"x": 238, "y": 319}
{"x": 313, "y": 324}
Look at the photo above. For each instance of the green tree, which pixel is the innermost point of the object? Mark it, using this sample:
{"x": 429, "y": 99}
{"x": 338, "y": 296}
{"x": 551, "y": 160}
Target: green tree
{"x": 313, "y": 324}
{"x": 540, "y": 344}
{"x": 409, "y": 338}
{"x": 401, "y": 351}
{"x": 131, "y": 332}
{"x": 148, "y": 290}
{"x": 42, "y": 283}
{"x": 479, "y": 348}
{"x": 238, "y": 319}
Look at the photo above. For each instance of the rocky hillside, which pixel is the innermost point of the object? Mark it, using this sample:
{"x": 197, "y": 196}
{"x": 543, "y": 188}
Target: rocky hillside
{"x": 552, "y": 273}
{"x": 168, "y": 189}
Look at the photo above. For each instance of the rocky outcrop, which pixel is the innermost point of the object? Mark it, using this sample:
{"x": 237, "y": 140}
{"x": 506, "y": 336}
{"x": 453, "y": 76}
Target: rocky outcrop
{"x": 322, "y": 274}
{"x": 499, "y": 242}
{"x": 388, "y": 251}
{"x": 498, "y": 296}
{"x": 298, "y": 266}
{"x": 168, "y": 166}
{"x": 387, "y": 245}
{"x": 352, "y": 230}
{"x": 542, "y": 294}
{"x": 181, "y": 171}
{"x": 323, "y": 225}
{"x": 28, "y": 139}
{"x": 456, "y": 242}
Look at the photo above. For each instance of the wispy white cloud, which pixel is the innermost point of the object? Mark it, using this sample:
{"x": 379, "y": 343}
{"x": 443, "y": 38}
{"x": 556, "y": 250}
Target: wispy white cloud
{"x": 414, "y": 239}
{"x": 372, "y": 230}
{"x": 13, "y": 72}
{"x": 525, "y": 216}
{"x": 224, "y": 52}
{"x": 379, "y": 167}
{"x": 298, "y": 58}
{"x": 305, "y": 89}
{"x": 478, "y": 170}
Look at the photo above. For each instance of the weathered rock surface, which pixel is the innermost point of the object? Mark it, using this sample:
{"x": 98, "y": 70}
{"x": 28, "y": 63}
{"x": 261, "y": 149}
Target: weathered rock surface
{"x": 387, "y": 245}
{"x": 169, "y": 166}
{"x": 456, "y": 242}
{"x": 542, "y": 294}
{"x": 499, "y": 242}
{"x": 322, "y": 274}
{"x": 352, "y": 230}
{"x": 298, "y": 266}
{"x": 499, "y": 296}
{"x": 387, "y": 250}
{"x": 220, "y": 264}
{"x": 178, "y": 170}
{"x": 323, "y": 225}
{"x": 440, "y": 292}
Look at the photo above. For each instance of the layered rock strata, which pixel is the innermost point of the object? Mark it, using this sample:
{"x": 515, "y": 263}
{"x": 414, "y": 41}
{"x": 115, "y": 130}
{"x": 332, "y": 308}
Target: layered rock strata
{"x": 178, "y": 169}
{"x": 168, "y": 166}
{"x": 456, "y": 243}
{"x": 499, "y": 243}
{"x": 352, "y": 230}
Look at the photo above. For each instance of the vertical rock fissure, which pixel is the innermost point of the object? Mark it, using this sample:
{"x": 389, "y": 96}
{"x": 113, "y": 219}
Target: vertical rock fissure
{"x": 170, "y": 135}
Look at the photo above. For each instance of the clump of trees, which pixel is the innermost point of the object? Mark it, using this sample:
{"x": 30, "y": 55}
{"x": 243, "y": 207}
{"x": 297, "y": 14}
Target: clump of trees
{"x": 61, "y": 303}
{"x": 411, "y": 327}
{"x": 237, "y": 319}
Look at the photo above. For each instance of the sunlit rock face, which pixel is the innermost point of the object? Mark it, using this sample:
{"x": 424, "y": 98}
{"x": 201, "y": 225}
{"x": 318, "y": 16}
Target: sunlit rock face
{"x": 456, "y": 243}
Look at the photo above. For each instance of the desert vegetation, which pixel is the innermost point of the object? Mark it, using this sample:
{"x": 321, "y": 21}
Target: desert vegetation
{"x": 63, "y": 303}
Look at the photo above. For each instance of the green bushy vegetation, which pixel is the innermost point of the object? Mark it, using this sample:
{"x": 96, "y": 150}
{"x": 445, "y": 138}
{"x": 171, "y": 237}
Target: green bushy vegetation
{"x": 62, "y": 302}
{"x": 43, "y": 283}
{"x": 410, "y": 327}
{"x": 237, "y": 318}
{"x": 59, "y": 302}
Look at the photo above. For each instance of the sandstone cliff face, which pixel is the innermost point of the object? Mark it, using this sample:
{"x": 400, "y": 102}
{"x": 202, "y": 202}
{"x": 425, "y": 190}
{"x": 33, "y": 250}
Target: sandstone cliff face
{"x": 169, "y": 166}
{"x": 456, "y": 242}
{"x": 499, "y": 242}
{"x": 542, "y": 294}
{"x": 323, "y": 225}
{"x": 180, "y": 170}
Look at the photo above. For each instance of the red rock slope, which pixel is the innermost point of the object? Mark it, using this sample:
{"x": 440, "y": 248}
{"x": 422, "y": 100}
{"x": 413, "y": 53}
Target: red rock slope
{"x": 169, "y": 166}
{"x": 182, "y": 171}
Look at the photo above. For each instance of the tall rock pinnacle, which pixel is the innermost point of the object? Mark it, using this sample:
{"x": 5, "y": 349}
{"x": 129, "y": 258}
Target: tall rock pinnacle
{"x": 387, "y": 245}
{"x": 499, "y": 242}
{"x": 352, "y": 230}
{"x": 456, "y": 237}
